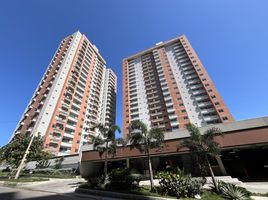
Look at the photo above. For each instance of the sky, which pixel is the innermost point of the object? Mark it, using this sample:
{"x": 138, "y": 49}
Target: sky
{"x": 229, "y": 36}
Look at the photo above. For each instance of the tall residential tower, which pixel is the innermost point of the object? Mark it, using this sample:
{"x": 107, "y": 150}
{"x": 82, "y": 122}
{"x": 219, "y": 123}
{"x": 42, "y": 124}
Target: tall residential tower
{"x": 76, "y": 92}
{"x": 167, "y": 86}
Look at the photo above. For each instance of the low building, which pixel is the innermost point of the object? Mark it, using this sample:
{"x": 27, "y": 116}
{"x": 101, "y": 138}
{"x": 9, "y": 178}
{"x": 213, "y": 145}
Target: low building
{"x": 244, "y": 153}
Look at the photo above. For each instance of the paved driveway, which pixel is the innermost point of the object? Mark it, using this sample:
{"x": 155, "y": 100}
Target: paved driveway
{"x": 56, "y": 189}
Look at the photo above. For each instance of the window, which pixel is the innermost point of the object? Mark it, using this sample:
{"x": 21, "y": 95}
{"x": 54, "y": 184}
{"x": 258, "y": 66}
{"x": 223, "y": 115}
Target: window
{"x": 181, "y": 104}
{"x": 183, "y": 111}
{"x": 204, "y": 79}
{"x": 217, "y": 103}
{"x": 209, "y": 90}
{"x": 225, "y": 118}
{"x": 185, "y": 117}
{"x": 175, "y": 127}
{"x": 220, "y": 110}
{"x": 213, "y": 96}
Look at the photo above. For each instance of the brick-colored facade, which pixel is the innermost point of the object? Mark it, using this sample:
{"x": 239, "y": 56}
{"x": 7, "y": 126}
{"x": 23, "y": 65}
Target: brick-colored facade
{"x": 167, "y": 87}
{"x": 70, "y": 98}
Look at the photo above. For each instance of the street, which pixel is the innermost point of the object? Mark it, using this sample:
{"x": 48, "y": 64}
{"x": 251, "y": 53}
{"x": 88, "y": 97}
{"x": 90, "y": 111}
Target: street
{"x": 7, "y": 193}
{"x": 57, "y": 189}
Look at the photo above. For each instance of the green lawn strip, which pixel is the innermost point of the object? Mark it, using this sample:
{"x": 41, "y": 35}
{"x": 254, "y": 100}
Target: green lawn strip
{"x": 24, "y": 180}
{"x": 63, "y": 176}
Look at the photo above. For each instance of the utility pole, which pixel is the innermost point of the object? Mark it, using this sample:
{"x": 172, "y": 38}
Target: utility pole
{"x": 24, "y": 158}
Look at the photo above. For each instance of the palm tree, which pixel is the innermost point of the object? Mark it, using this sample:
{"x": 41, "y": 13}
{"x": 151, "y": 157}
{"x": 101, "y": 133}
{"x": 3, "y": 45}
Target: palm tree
{"x": 202, "y": 145}
{"x": 106, "y": 143}
{"x": 144, "y": 140}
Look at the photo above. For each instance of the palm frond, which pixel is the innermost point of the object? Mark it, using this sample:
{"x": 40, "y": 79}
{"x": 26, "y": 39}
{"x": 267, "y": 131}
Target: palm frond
{"x": 98, "y": 141}
{"x": 101, "y": 150}
{"x": 102, "y": 129}
{"x": 212, "y": 132}
{"x": 138, "y": 125}
{"x": 112, "y": 130}
{"x": 194, "y": 132}
{"x": 155, "y": 137}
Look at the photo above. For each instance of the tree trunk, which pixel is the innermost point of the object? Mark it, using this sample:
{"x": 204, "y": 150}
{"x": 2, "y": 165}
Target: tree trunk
{"x": 106, "y": 165}
{"x": 212, "y": 174}
{"x": 24, "y": 158}
{"x": 150, "y": 170}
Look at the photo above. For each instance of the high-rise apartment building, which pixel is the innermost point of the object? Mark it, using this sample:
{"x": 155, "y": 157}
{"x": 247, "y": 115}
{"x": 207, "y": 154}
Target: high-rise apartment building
{"x": 76, "y": 92}
{"x": 167, "y": 86}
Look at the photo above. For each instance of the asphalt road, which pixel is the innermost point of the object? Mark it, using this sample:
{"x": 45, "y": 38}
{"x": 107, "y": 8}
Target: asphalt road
{"x": 49, "y": 190}
{"x": 15, "y": 193}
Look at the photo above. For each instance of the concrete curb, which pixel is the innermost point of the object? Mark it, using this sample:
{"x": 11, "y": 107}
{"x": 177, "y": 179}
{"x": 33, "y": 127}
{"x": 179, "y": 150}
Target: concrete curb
{"x": 117, "y": 195}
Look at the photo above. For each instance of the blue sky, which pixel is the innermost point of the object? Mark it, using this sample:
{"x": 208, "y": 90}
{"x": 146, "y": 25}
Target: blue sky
{"x": 229, "y": 36}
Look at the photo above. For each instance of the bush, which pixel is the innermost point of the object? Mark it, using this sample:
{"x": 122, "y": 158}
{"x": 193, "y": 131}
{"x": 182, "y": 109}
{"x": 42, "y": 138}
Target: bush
{"x": 176, "y": 183}
{"x": 7, "y": 169}
{"x": 54, "y": 172}
{"x": 122, "y": 179}
{"x": 230, "y": 191}
{"x": 96, "y": 182}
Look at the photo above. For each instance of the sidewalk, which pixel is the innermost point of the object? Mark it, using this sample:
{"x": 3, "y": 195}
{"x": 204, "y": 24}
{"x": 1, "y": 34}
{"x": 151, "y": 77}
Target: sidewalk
{"x": 256, "y": 187}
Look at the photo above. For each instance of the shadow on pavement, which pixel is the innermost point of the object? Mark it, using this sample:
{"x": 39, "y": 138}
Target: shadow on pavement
{"x": 45, "y": 196}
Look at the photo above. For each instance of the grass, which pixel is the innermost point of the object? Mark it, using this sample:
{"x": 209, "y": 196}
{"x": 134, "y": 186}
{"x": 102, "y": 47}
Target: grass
{"x": 63, "y": 176}
{"x": 38, "y": 175}
{"x": 23, "y": 180}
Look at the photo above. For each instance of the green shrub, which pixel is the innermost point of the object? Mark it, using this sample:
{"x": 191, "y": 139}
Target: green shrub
{"x": 54, "y": 172}
{"x": 96, "y": 182}
{"x": 122, "y": 179}
{"x": 176, "y": 183}
{"x": 230, "y": 191}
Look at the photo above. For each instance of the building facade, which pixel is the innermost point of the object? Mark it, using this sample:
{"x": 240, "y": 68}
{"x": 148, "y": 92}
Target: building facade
{"x": 76, "y": 92}
{"x": 244, "y": 149}
{"x": 167, "y": 86}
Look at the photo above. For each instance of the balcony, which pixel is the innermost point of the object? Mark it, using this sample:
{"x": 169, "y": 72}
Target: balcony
{"x": 191, "y": 76}
{"x": 206, "y": 111}
{"x": 174, "y": 123}
{"x": 63, "y": 112}
{"x": 68, "y": 135}
{"x": 57, "y": 130}
{"x": 54, "y": 140}
{"x": 192, "y": 82}
{"x": 204, "y": 104}
{"x": 211, "y": 118}
{"x": 196, "y": 86}
{"x": 70, "y": 127}
{"x": 65, "y": 105}
{"x": 201, "y": 98}
{"x": 66, "y": 144}
{"x": 72, "y": 118}
{"x": 60, "y": 120}
{"x": 199, "y": 92}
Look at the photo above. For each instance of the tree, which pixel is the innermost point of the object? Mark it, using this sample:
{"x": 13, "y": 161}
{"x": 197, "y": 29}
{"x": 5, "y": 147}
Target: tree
{"x": 58, "y": 162}
{"x": 144, "y": 140}
{"x": 106, "y": 143}
{"x": 13, "y": 152}
{"x": 202, "y": 145}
